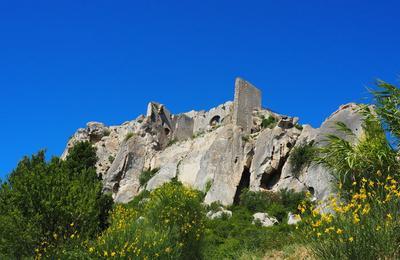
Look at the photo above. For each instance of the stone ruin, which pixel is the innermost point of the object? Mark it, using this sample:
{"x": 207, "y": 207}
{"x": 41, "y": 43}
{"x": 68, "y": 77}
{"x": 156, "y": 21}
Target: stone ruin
{"x": 220, "y": 151}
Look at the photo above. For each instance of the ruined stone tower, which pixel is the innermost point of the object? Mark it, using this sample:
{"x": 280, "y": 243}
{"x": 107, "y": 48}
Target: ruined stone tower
{"x": 247, "y": 99}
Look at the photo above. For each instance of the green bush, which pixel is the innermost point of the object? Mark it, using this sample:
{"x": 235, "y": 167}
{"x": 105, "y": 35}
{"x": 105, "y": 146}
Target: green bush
{"x": 301, "y": 156}
{"x": 268, "y": 122}
{"x": 129, "y": 136}
{"x": 169, "y": 225}
{"x": 44, "y": 205}
{"x": 231, "y": 238}
{"x": 277, "y": 204}
{"x": 146, "y": 175}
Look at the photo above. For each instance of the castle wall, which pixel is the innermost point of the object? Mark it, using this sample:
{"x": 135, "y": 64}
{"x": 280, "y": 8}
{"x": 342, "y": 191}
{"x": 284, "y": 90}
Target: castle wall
{"x": 247, "y": 99}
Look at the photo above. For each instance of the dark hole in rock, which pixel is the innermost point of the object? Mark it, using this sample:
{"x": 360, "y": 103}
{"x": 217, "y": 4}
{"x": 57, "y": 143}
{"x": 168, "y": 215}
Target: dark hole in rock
{"x": 215, "y": 120}
{"x": 167, "y": 131}
{"x": 244, "y": 183}
{"x": 311, "y": 190}
{"x": 115, "y": 187}
{"x": 268, "y": 180}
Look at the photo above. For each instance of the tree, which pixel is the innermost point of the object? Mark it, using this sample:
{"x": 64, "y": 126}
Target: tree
{"x": 45, "y": 204}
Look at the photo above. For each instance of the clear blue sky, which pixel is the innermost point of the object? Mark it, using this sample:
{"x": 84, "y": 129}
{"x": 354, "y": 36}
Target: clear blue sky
{"x": 63, "y": 63}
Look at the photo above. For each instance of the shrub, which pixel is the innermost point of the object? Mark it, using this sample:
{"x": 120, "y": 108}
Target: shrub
{"x": 299, "y": 127}
{"x": 169, "y": 226}
{"x": 301, "y": 156}
{"x": 111, "y": 158}
{"x": 231, "y": 238}
{"x": 129, "y": 136}
{"x": 365, "y": 227}
{"x": 46, "y": 204}
{"x": 146, "y": 175}
{"x": 268, "y": 122}
{"x": 172, "y": 142}
{"x": 276, "y": 204}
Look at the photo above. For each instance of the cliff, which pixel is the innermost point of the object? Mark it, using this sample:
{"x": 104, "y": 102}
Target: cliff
{"x": 221, "y": 151}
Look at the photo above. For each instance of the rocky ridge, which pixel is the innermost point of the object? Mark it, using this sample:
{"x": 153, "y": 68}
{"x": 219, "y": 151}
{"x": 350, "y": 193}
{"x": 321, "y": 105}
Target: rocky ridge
{"x": 220, "y": 151}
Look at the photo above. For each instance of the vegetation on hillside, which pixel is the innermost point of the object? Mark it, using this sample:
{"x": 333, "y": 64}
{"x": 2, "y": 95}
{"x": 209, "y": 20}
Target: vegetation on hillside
{"x": 55, "y": 209}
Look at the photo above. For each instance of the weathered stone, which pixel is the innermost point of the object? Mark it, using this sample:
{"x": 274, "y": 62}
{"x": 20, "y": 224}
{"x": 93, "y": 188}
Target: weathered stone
{"x": 271, "y": 150}
{"x": 220, "y": 151}
{"x": 293, "y": 219}
{"x": 247, "y": 99}
{"x": 220, "y": 213}
{"x": 183, "y": 127}
{"x": 264, "y": 219}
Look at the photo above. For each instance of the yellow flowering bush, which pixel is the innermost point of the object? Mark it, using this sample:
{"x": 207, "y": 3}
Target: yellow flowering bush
{"x": 169, "y": 226}
{"x": 364, "y": 227}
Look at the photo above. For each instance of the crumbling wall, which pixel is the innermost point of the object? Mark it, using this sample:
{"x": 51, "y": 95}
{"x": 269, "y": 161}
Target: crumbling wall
{"x": 247, "y": 99}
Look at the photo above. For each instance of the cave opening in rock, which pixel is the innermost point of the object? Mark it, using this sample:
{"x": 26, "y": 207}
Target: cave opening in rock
{"x": 244, "y": 183}
{"x": 215, "y": 120}
{"x": 268, "y": 180}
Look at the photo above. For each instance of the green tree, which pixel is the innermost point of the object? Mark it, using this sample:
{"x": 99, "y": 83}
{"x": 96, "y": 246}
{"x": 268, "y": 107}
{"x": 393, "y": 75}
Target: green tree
{"x": 45, "y": 204}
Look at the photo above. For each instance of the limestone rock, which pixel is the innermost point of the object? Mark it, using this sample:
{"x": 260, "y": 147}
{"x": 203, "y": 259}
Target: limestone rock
{"x": 264, "y": 219}
{"x": 220, "y": 151}
{"x": 270, "y": 153}
{"x": 293, "y": 219}
{"x": 220, "y": 213}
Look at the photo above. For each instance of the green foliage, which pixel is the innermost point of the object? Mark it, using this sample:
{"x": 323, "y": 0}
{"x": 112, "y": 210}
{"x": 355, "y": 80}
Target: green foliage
{"x": 169, "y": 225}
{"x": 371, "y": 157}
{"x": 268, "y": 122}
{"x": 209, "y": 183}
{"x": 246, "y": 138}
{"x": 146, "y": 175}
{"x": 44, "y": 204}
{"x": 300, "y": 157}
{"x": 365, "y": 223}
{"x": 172, "y": 142}
{"x": 387, "y": 101}
{"x": 111, "y": 158}
{"x": 231, "y": 238}
{"x": 129, "y": 136}
{"x": 297, "y": 126}
{"x": 276, "y": 204}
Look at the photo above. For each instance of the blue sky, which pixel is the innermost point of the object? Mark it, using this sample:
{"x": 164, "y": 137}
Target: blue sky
{"x": 63, "y": 63}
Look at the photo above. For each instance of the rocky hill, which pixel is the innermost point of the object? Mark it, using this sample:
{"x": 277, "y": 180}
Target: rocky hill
{"x": 236, "y": 145}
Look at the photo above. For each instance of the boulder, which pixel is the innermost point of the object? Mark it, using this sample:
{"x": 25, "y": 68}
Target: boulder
{"x": 264, "y": 219}
{"x": 293, "y": 219}
{"x": 220, "y": 213}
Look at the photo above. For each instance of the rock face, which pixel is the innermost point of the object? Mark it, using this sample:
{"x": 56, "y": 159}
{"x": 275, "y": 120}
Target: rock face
{"x": 220, "y": 151}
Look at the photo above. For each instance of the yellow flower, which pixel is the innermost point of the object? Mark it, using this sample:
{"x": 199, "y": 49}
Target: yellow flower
{"x": 91, "y": 250}
{"x": 371, "y": 183}
{"x": 354, "y": 183}
{"x": 105, "y": 253}
{"x": 364, "y": 180}
{"x": 72, "y": 236}
{"x": 72, "y": 224}
{"x": 168, "y": 250}
{"x": 389, "y": 216}
{"x": 319, "y": 234}
{"x": 339, "y": 231}
{"x": 351, "y": 239}
{"x": 112, "y": 253}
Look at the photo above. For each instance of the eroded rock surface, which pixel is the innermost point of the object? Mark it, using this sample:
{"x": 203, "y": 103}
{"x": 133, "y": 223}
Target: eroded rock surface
{"x": 220, "y": 151}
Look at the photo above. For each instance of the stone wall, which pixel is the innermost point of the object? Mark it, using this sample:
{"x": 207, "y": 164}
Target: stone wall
{"x": 247, "y": 99}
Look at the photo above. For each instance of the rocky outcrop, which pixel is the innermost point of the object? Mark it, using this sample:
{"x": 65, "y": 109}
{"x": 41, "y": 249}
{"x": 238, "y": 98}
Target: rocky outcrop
{"x": 264, "y": 219}
{"x": 220, "y": 151}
